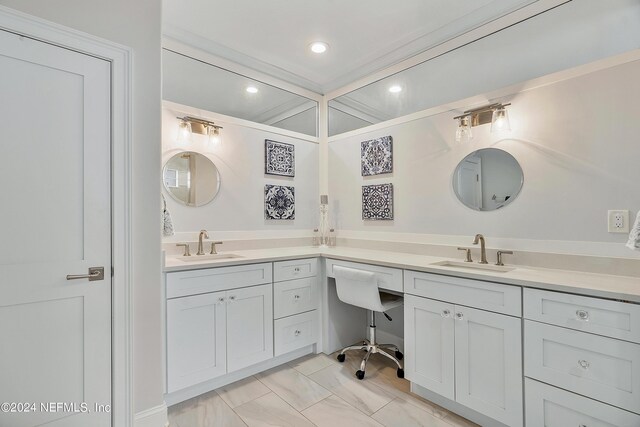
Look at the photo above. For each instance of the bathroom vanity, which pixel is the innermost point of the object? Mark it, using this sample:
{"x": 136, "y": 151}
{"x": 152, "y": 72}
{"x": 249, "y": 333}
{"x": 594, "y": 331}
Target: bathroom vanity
{"x": 502, "y": 347}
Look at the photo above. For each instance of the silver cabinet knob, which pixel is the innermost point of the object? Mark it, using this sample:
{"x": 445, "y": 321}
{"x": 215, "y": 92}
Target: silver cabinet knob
{"x": 296, "y": 333}
{"x": 583, "y": 364}
{"x": 232, "y": 298}
{"x": 582, "y": 314}
{"x": 445, "y": 313}
{"x": 459, "y": 316}
{"x": 221, "y": 300}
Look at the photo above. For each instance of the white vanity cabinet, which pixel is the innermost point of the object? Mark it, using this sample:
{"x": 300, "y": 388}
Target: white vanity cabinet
{"x": 469, "y": 355}
{"x": 583, "y": 345}
{"x": 226, "y": 324}
{"x": 295, "y": 304}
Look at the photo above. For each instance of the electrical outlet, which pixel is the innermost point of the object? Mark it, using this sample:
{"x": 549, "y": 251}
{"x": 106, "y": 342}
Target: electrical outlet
{"x": 618, "y": 221}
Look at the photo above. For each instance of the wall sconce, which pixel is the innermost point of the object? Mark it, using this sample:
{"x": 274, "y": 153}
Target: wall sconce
{"x": 464, "y": 129}
{"x": 188, "y": 125}
{"x": 496, "y": 114}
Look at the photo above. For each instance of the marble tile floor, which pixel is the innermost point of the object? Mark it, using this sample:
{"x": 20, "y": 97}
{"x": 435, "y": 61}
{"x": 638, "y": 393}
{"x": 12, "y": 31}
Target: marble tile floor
{"x": 316, "y": 390}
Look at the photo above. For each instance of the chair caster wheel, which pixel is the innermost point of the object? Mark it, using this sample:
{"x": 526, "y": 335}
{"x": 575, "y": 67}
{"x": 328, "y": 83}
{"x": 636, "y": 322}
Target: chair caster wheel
{"x": 341, "y": 358}
{"x": 400, "y": 373}
{"x": 360, "y": 374}
{"x": 399, "y": 355}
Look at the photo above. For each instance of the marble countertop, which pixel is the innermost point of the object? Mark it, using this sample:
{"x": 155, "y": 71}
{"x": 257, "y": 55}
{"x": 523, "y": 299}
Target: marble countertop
{"x": 599, "y": 285}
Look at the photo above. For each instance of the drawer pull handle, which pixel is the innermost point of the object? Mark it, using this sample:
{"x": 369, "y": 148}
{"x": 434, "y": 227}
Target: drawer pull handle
{"x": 232, "y": 298}
{"x": 583, "y": 364}
{"x": 445, "y": 313}
{"x": 221, "y": 300}
{"x": 460, "y": 316}
{"x": 582, "y": 315}
{"x": 296, "y": 297}
{"x": 297, "y": 269}
{"x": 296, "y": 333}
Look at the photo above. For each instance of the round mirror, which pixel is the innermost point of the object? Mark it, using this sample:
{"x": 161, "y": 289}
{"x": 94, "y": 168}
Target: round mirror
{"x": 488, "y": 179}
{"x": 191, "y": 178}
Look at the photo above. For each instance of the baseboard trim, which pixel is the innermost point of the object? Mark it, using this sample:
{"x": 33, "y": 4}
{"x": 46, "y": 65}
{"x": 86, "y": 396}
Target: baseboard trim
{"x": 198, "y": 389}
{"x": 455, "y": 407}
{"x": 152, "y": 417}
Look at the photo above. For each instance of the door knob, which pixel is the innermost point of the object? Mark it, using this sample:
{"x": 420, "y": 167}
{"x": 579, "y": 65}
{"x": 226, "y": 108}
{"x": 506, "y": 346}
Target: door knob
{"x": 95, "y": 273}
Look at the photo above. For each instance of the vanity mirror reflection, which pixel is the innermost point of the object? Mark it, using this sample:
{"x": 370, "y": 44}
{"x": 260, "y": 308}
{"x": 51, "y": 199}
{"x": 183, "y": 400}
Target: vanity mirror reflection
{"x": 488, "y": 179}
{"x": 191, "y": 178}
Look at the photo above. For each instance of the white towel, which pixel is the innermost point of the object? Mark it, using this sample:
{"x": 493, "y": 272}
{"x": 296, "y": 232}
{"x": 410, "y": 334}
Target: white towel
{"x": 634, "y": 236}
{"x": 167, "y": 223}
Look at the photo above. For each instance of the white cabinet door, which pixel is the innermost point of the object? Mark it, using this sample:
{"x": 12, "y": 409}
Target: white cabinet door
{"x": 429, "y": 344}
{"x": 249, "y": 326}
{"x": 196, "y": 339}
{"x": 488, "y": 364}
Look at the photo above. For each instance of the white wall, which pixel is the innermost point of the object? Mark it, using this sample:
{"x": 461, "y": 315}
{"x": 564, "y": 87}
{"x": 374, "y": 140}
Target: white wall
{"x": 239, "y": 206}
{"x": 137, "y": 25}
{"x": 577, "y": 142}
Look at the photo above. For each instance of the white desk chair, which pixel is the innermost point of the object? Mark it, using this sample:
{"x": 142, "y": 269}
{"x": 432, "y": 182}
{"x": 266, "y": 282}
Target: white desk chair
{"x": 360, "y": 288}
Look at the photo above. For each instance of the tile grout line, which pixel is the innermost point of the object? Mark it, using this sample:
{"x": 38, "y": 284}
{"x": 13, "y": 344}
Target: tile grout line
{"x": 307, "y": 407}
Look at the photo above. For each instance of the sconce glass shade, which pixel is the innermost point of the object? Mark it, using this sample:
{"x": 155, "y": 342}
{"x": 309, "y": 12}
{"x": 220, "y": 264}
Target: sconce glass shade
{"x": 184, "y": 132}
{"x": 214, "y": 136}
{"x": 463, "y": 132}
{"x": 500, "y": 120}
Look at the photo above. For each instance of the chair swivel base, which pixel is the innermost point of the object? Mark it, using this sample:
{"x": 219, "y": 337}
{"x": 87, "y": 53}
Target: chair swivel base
{"x": 372, "y": 348}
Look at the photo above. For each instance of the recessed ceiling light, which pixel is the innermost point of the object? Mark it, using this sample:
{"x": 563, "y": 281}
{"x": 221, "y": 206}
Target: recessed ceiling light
{"x": 318, "y": 47}
{"x": 395, "y": 89}
{"x": 252, "y": 89}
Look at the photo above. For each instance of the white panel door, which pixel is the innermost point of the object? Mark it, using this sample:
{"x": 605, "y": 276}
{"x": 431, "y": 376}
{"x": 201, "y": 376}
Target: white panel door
{"x": 196, "y": 339}
{"x": 489, "y": 364}
{"x": 470, "y": 182}
{"x": 429, "y": 344}
{"x": 249, "y": 326}
{"x": 55, "y": 217}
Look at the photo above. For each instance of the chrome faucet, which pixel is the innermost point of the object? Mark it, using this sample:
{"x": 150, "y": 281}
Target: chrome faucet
{"x": 483, "y": 250}
{"x": 203, "y": 234}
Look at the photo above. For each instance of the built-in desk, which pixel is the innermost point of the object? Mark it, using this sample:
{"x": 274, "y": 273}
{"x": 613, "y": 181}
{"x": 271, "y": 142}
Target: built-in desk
{"x": 463, "y": 329}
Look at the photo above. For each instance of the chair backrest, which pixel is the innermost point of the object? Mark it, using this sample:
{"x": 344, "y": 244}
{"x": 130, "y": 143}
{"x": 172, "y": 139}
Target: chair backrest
{"x": 358, "y": 287}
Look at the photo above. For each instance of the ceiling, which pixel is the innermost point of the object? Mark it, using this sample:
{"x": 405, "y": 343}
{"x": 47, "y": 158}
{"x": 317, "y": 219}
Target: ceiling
{"x": 272, "y": 36}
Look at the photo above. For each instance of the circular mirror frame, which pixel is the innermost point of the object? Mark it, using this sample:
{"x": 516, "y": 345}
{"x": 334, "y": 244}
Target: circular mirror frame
{"x": 513, "y": 197}
{"x": 176, "y": 198}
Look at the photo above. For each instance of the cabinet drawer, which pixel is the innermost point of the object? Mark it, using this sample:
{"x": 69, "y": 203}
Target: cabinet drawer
{"x": 473, "y": 293}
{"x": 603, "y": 368}
{"x": 388, "y": 278}
{"x": 610, "y": 318}
{"x": 192, "y": 282}
{"x": 294, "y": 297}
{"x": 294, "y": 332}
{"x": 552, "y": 407}
{"x": 295, "y": 269}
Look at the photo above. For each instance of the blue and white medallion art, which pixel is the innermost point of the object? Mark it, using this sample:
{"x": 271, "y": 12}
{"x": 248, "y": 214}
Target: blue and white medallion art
{"x": 279, "y": 158}
{"x": 279, "y": 202}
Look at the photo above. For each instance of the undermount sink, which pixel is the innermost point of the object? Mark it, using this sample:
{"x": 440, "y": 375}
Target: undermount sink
{"x": 474, "y": 266}
{"x": 208, "y": 257}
